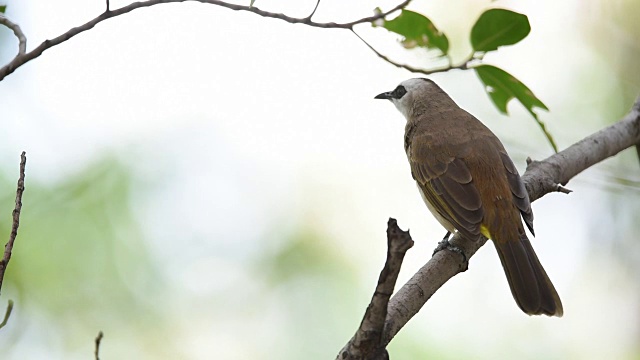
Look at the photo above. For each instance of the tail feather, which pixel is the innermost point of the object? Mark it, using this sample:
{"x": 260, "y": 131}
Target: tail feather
{"x": 529, "y": 283}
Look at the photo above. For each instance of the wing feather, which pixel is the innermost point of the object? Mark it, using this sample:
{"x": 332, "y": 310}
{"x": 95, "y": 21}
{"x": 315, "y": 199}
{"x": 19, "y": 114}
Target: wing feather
{"x": 448, "y": 185}
{"x": 520, "y": 195}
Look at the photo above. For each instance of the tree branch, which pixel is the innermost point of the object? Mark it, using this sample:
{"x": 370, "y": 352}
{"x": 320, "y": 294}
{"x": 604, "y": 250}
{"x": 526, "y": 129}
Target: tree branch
{"x": 366, "y": 342}
{"x": 418, "y": 290}
{"x": 463, "y": 66}
{"x": 22, "y": 39}
{"x": 315, "y": 8}
{"x": 23, "y": 57}
{"x": 543, "y": 177}
{"x": 97, "y": 342}
{"x": 540, "y": 178}
{"x": 16, "y": 220}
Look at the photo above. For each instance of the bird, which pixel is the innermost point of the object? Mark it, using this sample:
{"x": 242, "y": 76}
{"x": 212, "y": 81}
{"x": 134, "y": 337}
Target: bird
{"x": 470, "y": 184}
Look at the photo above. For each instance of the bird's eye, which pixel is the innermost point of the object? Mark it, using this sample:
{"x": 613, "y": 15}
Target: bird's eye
{"x": 399, "y": 92}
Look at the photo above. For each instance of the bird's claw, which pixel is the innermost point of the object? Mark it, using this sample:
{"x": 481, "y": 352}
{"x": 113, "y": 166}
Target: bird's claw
{"x": 445, "y": 244}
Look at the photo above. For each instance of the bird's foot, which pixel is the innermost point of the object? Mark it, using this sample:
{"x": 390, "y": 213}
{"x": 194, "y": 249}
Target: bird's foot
{"x": 446, "y": 245}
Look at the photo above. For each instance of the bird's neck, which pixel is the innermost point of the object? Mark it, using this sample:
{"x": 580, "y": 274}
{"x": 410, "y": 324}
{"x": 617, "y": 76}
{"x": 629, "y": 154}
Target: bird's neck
{"x": 431, "y": 107}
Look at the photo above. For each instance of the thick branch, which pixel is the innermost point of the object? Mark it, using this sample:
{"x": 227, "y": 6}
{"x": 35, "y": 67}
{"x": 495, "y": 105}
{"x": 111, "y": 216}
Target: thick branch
{"x": 541, "y": 178}
{"x": 23, "y": 58}
{"x": 16, "y": 219}
{"x": 418, "y": 290}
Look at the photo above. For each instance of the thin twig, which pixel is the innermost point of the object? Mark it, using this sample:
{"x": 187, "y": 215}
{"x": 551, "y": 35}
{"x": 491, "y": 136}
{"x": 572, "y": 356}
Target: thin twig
{"x": 107, "y": 5}
{"x": 22, "y": 39}
{"x": 7, "y": 314}
{"x": 16, "y": 219}
{"x": 98, "y": 340}
{"x": 463, "y": 66}
{"x": 23, "y": 58}
{"x": 314, "y": 10}
{"x": 562, "y": 189}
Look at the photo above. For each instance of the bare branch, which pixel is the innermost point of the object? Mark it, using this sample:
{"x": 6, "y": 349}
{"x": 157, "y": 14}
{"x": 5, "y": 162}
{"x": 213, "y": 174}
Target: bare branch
{"x": 464, "y": 65}
{"x": 22, "y": 39}
{"x": 26, "y": 57}
{"x": 16, "y": 220}
{"x": 418, "y": 290}
{"x": 543, "y": 177}
{"x": 314, "y": 10}
{"x": 365, "y": 344}
{"x": 98, "y": 340}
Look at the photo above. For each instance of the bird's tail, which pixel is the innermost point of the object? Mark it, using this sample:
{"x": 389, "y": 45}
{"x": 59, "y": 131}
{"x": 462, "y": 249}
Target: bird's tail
{"x": 529, "y": 283}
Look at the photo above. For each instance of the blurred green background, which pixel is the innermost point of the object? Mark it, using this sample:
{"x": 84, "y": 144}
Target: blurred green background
{"x": 205, "y": 184}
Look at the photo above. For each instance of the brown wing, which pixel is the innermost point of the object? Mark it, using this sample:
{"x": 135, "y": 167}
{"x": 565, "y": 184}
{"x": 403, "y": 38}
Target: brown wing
{"x": 520, "y": 195}
{"x": 447, "y": 184}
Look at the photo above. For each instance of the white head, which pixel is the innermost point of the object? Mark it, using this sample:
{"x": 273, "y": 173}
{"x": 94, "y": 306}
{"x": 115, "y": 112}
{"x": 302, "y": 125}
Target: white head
{"x": 412, "y": 95}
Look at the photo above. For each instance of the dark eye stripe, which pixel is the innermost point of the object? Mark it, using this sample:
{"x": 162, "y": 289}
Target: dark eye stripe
{"x": 399, "y": 92}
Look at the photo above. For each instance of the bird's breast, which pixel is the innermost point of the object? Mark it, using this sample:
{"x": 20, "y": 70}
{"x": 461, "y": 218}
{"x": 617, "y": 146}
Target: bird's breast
{"x": 444, "y": 222}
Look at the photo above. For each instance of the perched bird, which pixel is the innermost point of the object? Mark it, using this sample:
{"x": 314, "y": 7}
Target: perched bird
{"x": 470, "y": 184}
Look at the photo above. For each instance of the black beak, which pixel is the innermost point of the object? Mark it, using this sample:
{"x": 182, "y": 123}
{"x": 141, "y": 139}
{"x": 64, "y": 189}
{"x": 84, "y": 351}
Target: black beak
{"x": 385, "y": 95}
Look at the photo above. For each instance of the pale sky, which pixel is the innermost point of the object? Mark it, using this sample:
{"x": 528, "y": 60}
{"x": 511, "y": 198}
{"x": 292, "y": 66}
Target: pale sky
{"x": 232, "y": 116}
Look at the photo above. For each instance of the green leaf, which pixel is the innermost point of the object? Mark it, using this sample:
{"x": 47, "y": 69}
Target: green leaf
{"x": 3, "y": 8}
{"x": 498, "y": 27}
{"x": 502, "y": 87}
{"x": 417, "y": 30}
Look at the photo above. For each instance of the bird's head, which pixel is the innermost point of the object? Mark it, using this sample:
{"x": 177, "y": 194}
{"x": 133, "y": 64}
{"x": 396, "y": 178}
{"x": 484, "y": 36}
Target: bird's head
{"x": 413, "y": 95}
